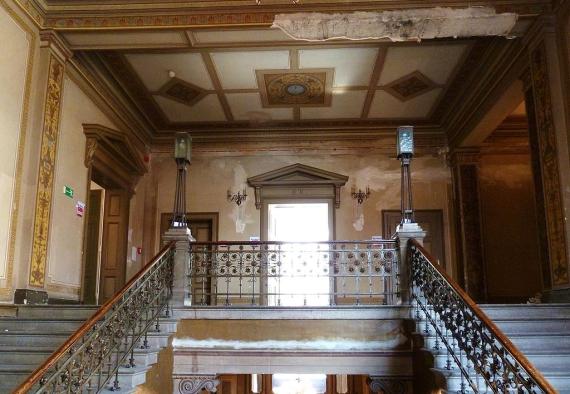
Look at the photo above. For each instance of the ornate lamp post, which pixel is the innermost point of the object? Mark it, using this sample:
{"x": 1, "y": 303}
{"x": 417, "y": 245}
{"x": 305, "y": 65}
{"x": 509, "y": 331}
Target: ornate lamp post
{"x": 405, "y": 150}
{"x": 182, "y": 155}
{"x": 408, "y": 228}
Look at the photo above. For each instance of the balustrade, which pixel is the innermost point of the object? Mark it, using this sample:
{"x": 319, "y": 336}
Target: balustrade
{"x": 486, "y": 358}
{"x": 293, "y": 273}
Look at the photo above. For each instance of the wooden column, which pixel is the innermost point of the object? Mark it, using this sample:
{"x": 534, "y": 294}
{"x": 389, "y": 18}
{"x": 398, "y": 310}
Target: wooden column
{"x": 470, "y": 254}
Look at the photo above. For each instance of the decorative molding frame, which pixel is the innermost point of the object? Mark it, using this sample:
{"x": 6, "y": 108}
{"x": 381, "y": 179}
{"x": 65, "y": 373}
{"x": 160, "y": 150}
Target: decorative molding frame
{"x": 6, "y": 293}
{"x": 48, "y": 151}
{"x": 113, "y": 153}
{"x": 297, "y": 175}
{"x": 322, "y": 76}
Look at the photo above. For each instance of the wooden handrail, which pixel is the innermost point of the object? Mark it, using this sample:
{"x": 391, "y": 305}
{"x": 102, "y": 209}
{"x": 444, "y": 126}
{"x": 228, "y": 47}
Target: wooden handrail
{"x": 492, "y": 327}
{"x": 89, "y": 324}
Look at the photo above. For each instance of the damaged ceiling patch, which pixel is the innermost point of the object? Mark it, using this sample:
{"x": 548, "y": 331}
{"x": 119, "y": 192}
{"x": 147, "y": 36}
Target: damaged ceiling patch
{"x": 404, "y": 25}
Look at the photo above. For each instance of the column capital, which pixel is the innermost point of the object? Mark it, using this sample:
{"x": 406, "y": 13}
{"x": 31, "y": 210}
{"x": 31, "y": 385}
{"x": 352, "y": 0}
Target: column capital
{"x": 52, "y": 40}
{"x": 194, "y": 384}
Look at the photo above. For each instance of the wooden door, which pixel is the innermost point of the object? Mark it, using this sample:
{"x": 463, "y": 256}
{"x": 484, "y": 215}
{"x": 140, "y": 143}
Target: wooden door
{"x": 431, "y": 221}
{"x": 92, "y": 247}
{"x": 114, "y": 245}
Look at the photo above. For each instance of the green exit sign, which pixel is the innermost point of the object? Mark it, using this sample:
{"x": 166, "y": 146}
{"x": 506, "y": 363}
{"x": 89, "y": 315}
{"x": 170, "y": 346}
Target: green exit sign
{"x": 68, "y": 191}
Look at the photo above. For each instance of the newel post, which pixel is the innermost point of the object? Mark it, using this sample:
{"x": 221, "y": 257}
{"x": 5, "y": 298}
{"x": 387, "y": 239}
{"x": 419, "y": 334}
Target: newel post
{"x": 405, "y": 232}
{"x": 181, "y": 291}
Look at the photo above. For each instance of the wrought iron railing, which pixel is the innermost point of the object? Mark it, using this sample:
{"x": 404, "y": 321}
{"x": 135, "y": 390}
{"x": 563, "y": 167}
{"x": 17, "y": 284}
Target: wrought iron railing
{"x": 486, "y": 358}
{"x": 293, "y": 273}
{"x": 90, "y": 359}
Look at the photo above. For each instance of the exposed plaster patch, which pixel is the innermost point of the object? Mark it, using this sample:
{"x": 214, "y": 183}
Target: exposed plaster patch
{"x": 404, "y": 25}
{"x": 320, "y": 344}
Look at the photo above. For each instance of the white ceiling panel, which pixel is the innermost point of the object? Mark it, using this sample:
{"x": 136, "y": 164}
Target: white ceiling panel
{"x": 239, "y": 36}
{"x": 236, "y": 70}
{"x": 153, "y": 69}
{"x": 247, "y": 106}
{"x": 208, "y": 109}
{"x": 345, "y": 104}
{"x": 352, "y": 66}
{"x": 384, "y": 105}
{"x": 435, "y": 61}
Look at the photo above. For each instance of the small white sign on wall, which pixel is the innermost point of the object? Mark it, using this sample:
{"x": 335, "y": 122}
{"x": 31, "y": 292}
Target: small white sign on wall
{"x": 80, "y": 209}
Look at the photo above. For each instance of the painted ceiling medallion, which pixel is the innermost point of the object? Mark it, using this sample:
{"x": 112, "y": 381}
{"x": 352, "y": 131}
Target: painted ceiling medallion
{"x": 410, "y": 86}
{"x": 182, "y": 91}
{"x": 287, "y": 88}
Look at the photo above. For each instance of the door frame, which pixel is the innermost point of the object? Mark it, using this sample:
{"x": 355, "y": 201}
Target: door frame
{"x": 113, "y": 162}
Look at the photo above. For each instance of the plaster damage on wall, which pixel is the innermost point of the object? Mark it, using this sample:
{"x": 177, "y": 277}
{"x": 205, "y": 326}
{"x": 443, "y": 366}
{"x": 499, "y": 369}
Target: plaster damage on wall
{"x": 402, "y": 25}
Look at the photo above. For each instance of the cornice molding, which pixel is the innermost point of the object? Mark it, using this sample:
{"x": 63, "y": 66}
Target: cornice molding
{"x": 52, "y": 40}
{"x": 502, "y": 63}
{"x": 125, "y": 14}
{"x": 110, "y": 100}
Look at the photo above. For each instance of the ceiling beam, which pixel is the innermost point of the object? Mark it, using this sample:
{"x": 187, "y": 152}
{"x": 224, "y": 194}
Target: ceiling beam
{"x": 217, "y": 85}
{"x": 375, "y": 77}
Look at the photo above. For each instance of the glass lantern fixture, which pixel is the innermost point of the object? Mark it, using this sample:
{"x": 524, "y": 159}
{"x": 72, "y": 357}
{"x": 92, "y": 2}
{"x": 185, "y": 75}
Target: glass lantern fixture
{"x": 405, "y": 145}
{"x": 183, "y": 147}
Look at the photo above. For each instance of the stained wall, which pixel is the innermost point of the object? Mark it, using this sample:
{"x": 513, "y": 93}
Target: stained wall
{"x": 211, "y": 174}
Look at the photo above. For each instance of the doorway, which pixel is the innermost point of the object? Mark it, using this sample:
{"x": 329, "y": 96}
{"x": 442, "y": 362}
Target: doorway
{"x": 303, "y": 278}
{"x": 105, "y": 242}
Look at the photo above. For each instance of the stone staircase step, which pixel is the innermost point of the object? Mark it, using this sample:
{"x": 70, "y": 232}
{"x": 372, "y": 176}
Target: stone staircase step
{"x": 62, "y": 312}
{"x": 546, "y": 362}
{"x": 526, "y": 343}
{"x": 499, "y": 312}
{"x": 40, "y": 325}
{"x": 28, "y": 339}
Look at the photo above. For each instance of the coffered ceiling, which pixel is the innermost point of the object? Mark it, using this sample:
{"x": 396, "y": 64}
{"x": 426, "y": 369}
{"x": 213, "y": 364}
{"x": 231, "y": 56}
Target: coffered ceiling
{"x": 251, "y": 78}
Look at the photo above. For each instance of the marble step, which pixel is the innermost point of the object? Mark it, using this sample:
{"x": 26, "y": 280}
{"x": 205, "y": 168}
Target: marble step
{"x": 61, "y": 312}
{"x": 39, "y": 325}
{"x": 499, "y": 312}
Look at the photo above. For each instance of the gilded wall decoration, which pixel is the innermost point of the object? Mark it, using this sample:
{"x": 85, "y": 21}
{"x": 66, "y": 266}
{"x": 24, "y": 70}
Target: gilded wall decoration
{"x": 549, "y": 165}
{"x": 46, "y": 171}
{"x": 7, "y": 292}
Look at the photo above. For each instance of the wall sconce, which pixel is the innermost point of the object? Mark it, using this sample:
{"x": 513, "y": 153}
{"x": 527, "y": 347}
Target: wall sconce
{"x": 238, "y": 197}
{"x": 359, "y": 195}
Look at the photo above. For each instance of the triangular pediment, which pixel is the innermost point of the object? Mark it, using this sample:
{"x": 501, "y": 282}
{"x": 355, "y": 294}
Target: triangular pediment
{"x": 297, "y": 174}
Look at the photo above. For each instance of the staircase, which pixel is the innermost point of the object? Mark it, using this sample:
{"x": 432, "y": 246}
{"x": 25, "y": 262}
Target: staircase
{"x": 541, "y": 332}
{"x": 33, "y": 333}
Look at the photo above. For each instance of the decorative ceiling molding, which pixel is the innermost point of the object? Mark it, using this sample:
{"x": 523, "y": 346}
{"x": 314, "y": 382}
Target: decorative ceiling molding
{"x": 288, "y": 88}
{"x": 182, "y": 91}
{"x": 410, "y": 86}
{"x": 134, "y": 14}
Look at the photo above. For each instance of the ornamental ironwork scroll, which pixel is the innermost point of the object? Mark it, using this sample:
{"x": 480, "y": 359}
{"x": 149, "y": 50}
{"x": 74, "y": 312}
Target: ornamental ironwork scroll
{"x": 89, "y": 361}
{"x": 273, "y": 273}
{"x": 484, "y": 356}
